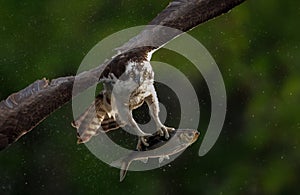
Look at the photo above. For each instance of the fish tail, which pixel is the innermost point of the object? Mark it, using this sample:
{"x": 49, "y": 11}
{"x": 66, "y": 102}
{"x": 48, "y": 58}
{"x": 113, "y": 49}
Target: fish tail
{"x": 123, "y": 169}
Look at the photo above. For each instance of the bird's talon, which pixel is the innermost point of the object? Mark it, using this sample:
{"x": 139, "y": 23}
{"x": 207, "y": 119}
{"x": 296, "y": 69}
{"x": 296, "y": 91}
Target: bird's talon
{"x": 164, "y": 131}
{"x": 167, "y": 135}
{"x": 142, "y": 141}
{"x": 161, "y": 132}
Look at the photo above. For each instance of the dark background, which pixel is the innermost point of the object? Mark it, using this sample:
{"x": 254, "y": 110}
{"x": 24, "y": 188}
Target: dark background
{"x": 256, "y": 46}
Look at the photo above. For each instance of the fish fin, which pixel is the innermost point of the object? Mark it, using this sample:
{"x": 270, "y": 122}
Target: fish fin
{"x": 144, "y": 160}
{"x": 162, "y": 158}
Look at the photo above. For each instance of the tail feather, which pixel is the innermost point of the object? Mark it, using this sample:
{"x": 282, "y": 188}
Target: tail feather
{"x": 95, "y": 120}
{"x": 109, "y": 123}
{"x": 89, "y": 122}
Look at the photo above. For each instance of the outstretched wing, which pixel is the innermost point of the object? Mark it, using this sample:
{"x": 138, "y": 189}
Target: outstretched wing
{"x": 178, "y": 17}
{"x": 22, "y": 111}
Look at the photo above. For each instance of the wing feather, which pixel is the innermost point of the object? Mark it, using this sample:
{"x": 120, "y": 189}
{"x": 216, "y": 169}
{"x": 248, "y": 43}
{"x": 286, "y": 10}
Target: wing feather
{"x": 23, "y": 110}
{"x": 178, "y": 17}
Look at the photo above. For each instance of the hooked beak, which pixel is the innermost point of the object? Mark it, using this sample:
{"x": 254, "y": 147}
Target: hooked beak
{"x": 138, "y": 79}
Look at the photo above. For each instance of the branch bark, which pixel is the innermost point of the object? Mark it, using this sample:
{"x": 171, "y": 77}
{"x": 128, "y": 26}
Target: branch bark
{"x": 24, "y": 110}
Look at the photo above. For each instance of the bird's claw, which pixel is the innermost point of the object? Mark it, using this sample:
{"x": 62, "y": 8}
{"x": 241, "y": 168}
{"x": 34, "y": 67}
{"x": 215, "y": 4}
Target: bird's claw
{"x": 142, "y": 141}
{"x": 164, "y": 131}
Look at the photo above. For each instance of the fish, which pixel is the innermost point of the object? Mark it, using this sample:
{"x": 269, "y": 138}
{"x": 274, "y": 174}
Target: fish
{"x": 159, "y": 147}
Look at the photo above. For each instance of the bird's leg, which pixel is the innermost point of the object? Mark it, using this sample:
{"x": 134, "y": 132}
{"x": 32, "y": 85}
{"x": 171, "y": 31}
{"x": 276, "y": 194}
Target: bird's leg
{"x": 153, "y": 105}
{"x": 141, "y": 141}
{"x": 138, "y": 131}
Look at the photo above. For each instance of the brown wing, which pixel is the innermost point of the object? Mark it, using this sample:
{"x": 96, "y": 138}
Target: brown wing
{"x": 180, "y": 16}
{"x": 23, "y": 110}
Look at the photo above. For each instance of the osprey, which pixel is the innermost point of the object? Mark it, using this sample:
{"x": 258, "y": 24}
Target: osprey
{"x": 131, "y": 70}
{"x": 128, "y": 83}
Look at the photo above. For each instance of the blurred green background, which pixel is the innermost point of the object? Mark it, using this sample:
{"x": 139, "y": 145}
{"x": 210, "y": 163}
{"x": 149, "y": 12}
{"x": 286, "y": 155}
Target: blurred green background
{"x": 256, "y": 46}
